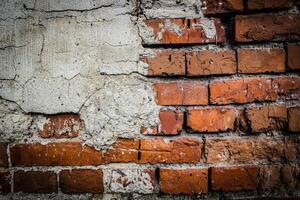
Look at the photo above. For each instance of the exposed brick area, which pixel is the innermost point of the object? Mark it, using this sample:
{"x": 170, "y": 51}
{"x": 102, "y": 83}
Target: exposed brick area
{"x": 191, "y": 31}
{"x": 269, "y": 4}
{"x": 35, "y": 182}
{"x": 183, "y": 150}
{"x": 81, "y": 181}
{"x": 254, "y": 61}
{"x": 201, "y": 63}
{"x": 61, "y": 126}
{"x": 5, "y": 182}
{"x": 222, "y": 6}
{"x": 184, "y": 181}
{"x": 294, "y": 119}
{"x": 3, "y": 155}
{"x": 234, "y": 179}
{"x": 265, "y": 27}
{"x": 293, "y": 57}
{"x": 171, "y": 122}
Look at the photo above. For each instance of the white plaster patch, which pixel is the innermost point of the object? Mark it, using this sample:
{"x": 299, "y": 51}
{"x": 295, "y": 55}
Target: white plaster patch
{"x": 208, "y": 26}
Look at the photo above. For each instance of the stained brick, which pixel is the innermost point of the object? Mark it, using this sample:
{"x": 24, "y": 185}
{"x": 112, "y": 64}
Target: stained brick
{"x": 182, "y": 150}
{"x": 61, "y": 126}
{"x": 211, "y": 119}
{"x": 184, "y": 181}
{"x": 81, "y": 181}
{"x": 293, "y": 57}
{"x": 5, "y": 182}
{"x": 234, "y": 178}
{"x": 267, "y": 27}
{"x": 254, "y": 61}
{"x": 181, "y": 93}
{"x": 250, "y": 149}
{"x": 165, "y": 62}
{"x": 248, "y": 90}
{"x": 221, "y": 6}
{"x": 187, "y": 31}
{"x": 267, "y": 118}
{"x": 269, "y": 4}
{"x": 72, "y": 153}
{"x": 35, "y": 182}
{"x": 201, "y": 63}
{"x": 3, "y": 155}
{"x": 294, "y": 119}
{"x": 133, "y": 181}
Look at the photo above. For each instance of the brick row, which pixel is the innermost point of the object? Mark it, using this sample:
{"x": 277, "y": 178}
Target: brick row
{"x": 210, "y": 62}
{"x": 146, "y": 181}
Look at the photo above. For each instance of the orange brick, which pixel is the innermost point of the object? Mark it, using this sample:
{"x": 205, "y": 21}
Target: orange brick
{"x": 254, "y": 61}
{"x": 181, "y": 93}
{"x": 81, "y": 181}
{"x": 35, "y": 182}
{"x": 183, "y": 181}
{"x": 294, "y": 119}
{"x": 211, "y": 119}
{"x": 201, "y": 63}
{"x": 186, "y": 31}
{"x": 182, "y": 150}
{"x": 166, "y": 62}
{"x": 234, "y": 178}
{"x": 267, "y": 27}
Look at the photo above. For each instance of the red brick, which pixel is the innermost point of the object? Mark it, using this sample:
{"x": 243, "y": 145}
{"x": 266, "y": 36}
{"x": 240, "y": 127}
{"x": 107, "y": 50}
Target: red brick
{"x": 254, "y": 61}
{"x": 266, "y": 27}
{"x": 183, "y": 181}
{"x": 4, "y": 182}
{"x": 35, "y": 182}
{"x": 211, "y": 119}
{"x": 182, "y": 150}
{"x": 230, "y": 150}
{"x": 181, "y": 93}
{"x": 72, "y": 153}
{"x": 81, "y": 181}
{"x": 171, "y": 122}
{"x": 234, "y": 178}
{"x": 184, "y": 31}
{"x": 269, "y": 4}
{"x": 133, "y": 181}
{"x": 3, "y": 155}
{"x": 61, "y": 126}
{"x": 166, "y": 62}
{"x": 221, "y": 6}
{"x": 201, "y": 63}
{"x": 294, "y": 119}
{"x": 267, "y": 118}
{"x": 248, "y": 90}
{"x": 293, "y": 57}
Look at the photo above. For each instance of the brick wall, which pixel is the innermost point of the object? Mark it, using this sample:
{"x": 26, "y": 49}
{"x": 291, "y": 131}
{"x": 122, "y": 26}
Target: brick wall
{"x": 227, "y": 86}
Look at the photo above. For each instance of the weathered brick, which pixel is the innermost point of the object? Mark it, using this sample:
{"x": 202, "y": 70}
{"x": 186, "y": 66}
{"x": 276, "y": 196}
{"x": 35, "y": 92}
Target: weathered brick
{"x": 181, "y": 93}
{"x": 211, "y": 119}
{"x": 265, "y": 27}
{"x": 201, "y": 63}
{"x": 294, "y": 119}
{"x": 185, "y": 31}
{"x": 81, "y": 181}
{"x": 248, "y": 90}
{"x": 254, "y": 61}
{"x": 269, "y": 4}
{"x": 234, "y": 178}
{"x": 133, "y": 181}
{"x": 35, "y": 182}
{"x": 250, "y": 149}
{"x": 72, "y": 153}
{"x": 5, "y": 182}
{"x": 267, "y": 118}
{"x": 60, "y": 126}
{"x": 269, "y": 176}
{"x": 221, "y": 6}
{"x": 3, "y": 155}
{"x": 293, "y": 57}
{"x": 171, "y": 122}
{"x": 184, "y": 181}
{"x": 182, "y": 150}
{"x": 165, "y": 62}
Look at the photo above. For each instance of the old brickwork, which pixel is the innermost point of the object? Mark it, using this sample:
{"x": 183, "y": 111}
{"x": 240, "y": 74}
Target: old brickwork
{"x": 146, "y": 99}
